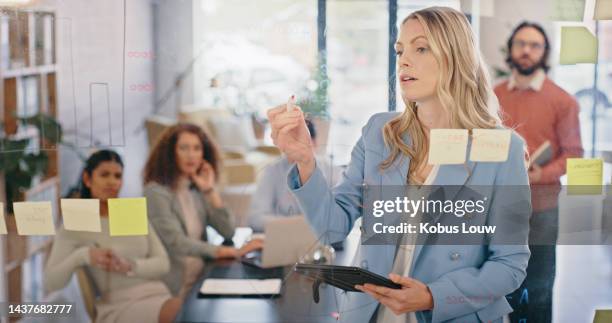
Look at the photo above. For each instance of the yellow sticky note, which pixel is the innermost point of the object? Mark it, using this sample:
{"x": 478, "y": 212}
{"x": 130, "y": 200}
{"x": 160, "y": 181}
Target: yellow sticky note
{"x": 34, "y": 218}
{"x": 490, "y": 145}
{"x": 584, "y": 176}
{"x": 447, "y": 146}
{"x": 568, "y": 10}
{"x": 81, "y": 214}
{"x": 2, "y": 222}
{"x": 603, "y": 10}
{"x": 602, "y": 316}
{"x": 128, "y": 216}
{"x": 578, "y": 45}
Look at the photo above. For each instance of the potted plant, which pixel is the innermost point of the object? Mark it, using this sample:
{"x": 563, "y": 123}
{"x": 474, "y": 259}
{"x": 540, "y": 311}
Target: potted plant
{"x": 502, "y": 72}
{"x": 20, "y": 166}
{"x": 315, "y": 105}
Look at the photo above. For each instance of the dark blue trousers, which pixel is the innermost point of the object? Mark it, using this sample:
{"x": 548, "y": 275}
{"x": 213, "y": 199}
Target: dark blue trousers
{"x": 532, "y": 302}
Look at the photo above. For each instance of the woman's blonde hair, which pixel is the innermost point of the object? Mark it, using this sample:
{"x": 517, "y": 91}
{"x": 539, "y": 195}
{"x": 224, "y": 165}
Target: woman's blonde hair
{"x": 463, "y": 87}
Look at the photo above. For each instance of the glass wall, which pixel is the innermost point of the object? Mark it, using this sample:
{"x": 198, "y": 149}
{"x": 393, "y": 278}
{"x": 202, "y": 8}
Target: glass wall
{"x": 357, "y": 41}
{"x": 579, "y": 79}
{"x": 253, "y": 54}
{"x": 268, "y": 50}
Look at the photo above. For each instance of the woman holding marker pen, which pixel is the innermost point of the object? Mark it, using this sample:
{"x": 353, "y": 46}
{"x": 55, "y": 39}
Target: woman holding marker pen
{"x": 126, "y": 270}
{"x": 180, "y": 177}
{"x": 444, "y": 84}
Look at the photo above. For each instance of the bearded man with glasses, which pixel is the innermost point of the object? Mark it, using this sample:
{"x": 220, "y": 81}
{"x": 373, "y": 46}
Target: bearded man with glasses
{"x": 544, "y": 115}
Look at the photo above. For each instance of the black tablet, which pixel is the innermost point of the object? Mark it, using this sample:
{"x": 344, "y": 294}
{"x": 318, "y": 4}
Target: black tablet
{"x": 344, "y": 277}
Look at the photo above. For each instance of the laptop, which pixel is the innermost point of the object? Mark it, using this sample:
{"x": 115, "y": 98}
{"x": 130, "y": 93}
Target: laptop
{"x": 286, "y": 240}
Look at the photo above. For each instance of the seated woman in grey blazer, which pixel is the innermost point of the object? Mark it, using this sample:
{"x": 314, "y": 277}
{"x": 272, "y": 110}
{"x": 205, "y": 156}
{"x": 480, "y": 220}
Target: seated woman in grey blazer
{"x": 179, "y": 178}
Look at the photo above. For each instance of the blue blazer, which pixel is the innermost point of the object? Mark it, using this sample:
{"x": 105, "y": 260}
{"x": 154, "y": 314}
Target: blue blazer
{"x": 468, "y": 282}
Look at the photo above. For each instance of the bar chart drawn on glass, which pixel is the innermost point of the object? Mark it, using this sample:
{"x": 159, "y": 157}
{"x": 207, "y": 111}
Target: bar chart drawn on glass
{"x": 92, "y": 91}
{"x": 104, "y": 85}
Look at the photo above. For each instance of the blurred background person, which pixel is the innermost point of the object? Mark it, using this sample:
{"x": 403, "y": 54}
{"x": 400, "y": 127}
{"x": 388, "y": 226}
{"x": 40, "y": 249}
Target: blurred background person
{"x": 272, "y": 197}
{"x": 180, "y": 177}
{"x": 545, "y": 115}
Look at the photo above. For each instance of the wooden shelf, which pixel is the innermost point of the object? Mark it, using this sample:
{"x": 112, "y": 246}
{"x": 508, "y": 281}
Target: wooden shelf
{"x": 28, "y": 88}
{"x": 28, "y": 71}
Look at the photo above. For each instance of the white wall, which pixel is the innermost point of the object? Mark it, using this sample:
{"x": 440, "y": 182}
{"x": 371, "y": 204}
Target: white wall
{"x": 495, "y": 30}
{"x": 174, "y": 46}
{"x": 159, "y": 30}
{"x": 91, "y": 49}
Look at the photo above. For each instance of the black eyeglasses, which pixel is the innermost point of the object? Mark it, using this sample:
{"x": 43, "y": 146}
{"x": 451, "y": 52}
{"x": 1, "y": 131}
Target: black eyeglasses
{"x": 532, "y": 45}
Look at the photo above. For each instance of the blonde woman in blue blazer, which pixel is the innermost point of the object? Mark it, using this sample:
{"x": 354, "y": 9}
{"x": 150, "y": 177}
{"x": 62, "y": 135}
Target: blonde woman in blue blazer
{"x": 444, "y": 84}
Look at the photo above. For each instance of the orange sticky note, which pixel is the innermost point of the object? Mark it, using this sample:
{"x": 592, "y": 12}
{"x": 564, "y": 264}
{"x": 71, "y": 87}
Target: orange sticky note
{"x": 34, "y": 218}
{"x": 128, "y": 216}
{"x": 603, "y": 10}
{"x": 81, "y": 214}
{"x": 490, "y": 145}
{"x": 447, "y": 146}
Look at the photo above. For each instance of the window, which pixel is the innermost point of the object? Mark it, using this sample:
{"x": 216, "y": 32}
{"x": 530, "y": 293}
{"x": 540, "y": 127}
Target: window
{"x": 254, "y": 54}
{"x": 358, "y": 60}
{"x": 357, "y": 41}
{"x": 578, "y": 80}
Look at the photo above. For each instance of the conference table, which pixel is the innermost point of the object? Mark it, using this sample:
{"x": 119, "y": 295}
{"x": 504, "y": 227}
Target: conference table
{"x": 295, "y": 304}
